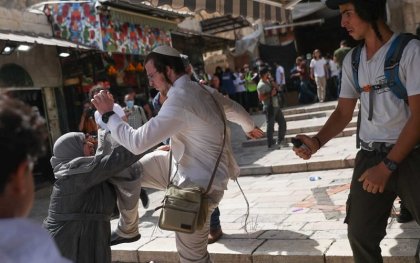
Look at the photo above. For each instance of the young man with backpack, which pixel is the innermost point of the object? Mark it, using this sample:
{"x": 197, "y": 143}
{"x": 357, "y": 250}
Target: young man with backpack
{"x": 387, "y": 164}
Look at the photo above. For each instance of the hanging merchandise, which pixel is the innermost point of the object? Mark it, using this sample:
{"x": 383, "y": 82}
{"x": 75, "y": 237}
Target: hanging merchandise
{"x": 112, "y": 31}
{"x": 130, "y": 68}
{"x": 75, "y": 22}
{"x": 139, "y": 67}
{"x": 111, "y": 71}
{"x": 129, "y": 38}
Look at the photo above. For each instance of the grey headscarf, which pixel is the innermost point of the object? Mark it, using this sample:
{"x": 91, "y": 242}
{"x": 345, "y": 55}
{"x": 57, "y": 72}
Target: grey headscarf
{"x": 68, "y": 156}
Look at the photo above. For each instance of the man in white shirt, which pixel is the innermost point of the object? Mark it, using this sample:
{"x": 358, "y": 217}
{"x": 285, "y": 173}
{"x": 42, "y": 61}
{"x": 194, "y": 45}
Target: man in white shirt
{"x": 319, "y": 74}
{"x": 193, "y": 121}
{"x": 281, "y": 83}
{"x": 23, "y": 134}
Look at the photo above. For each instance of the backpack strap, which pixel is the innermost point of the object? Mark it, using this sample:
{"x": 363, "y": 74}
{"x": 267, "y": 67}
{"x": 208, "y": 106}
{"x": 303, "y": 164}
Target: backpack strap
{"x": 355, "y": 61}
{"x": 392, "y": 64}
{"x": 391, "y": 70}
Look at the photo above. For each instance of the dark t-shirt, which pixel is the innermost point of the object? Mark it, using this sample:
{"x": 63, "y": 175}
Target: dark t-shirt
{"x": 339, "y": 55}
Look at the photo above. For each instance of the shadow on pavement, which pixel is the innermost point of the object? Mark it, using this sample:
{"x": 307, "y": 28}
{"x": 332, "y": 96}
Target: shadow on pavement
{"x": 270, "y": 246}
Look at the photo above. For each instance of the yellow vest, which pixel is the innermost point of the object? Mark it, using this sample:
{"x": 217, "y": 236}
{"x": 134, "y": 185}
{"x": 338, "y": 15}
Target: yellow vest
{"x": 249, "y": 83}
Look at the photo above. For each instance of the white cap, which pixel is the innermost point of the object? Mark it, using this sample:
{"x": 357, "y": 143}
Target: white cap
{"x": 167, "y": 50}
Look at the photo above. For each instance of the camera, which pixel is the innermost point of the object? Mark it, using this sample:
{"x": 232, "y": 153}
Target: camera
{"x": 90, "y": 112}
{"x": 296, "y": 142}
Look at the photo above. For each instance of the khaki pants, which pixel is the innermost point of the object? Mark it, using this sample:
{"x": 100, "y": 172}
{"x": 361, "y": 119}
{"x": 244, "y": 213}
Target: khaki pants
{"x": 190, "y": 247}
{"x": 127, "y": 187}
{"x": 321, "y": 87}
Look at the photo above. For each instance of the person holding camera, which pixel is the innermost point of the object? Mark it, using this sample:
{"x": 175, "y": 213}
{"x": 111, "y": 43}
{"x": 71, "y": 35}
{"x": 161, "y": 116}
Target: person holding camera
{"x": 87, "y": 122}
{"x": 268, "y": 95}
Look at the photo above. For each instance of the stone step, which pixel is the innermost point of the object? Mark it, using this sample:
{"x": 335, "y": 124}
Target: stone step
{"x": 295, "y": 127}
{"x": 263, "y": 141}
{"x": 259, "y": 160}
{"x": 309, "y": 108}
{"x": 291, "y": 219}
{"x": 233, "y": 250}
{"x": 312, "y": 115}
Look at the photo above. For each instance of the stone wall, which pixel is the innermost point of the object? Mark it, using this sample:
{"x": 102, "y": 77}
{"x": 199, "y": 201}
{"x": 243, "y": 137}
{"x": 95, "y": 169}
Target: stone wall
{"x": 411, "y": 13}
{"x": 404, "y": 15}
{"x": 19, "y": 4}
{"x": 15, "y": 20}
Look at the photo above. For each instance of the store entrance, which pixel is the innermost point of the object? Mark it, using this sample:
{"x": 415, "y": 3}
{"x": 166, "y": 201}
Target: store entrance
{"x": 42, "y": 172}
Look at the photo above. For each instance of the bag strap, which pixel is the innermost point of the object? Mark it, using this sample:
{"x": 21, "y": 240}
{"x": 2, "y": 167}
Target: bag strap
{"x": 224, "y": 139}
{"x": 355, "y": 61}
{"x": 392, "y": 64}
{"x": 221, "y": 150}
{"x": 391, "y": 72}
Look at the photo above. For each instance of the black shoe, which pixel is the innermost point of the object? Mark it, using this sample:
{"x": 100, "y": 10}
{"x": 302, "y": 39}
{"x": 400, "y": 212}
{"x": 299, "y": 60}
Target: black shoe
{"x": 283, "y": 143}
{"x": 116, "y": 239}
{"x": 405, "y": 215}
{"x": 215, "y": 235}
{"x": 274, "y": 147}
{"x": 144, "y": 197}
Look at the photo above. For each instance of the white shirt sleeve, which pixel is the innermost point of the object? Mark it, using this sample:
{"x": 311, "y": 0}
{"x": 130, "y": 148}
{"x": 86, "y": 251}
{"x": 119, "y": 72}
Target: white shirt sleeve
{"x": 312, "y": 63}
{"x": 409, "y": 67}
{"x": 348, "y": 89}
{"x": 278, "y": 75}
{"x": 118, "y": 111}
{"x": 156, "y": 130}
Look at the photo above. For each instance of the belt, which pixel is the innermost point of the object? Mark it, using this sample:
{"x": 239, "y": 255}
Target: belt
{"x": 376, "y": 146}
{"x": 383, "y": 147}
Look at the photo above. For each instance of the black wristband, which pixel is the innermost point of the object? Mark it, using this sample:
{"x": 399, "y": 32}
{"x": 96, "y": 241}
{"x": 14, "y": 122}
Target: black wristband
{"x": 106, "y": 115}
{"x": 391, "y": 165}
{"x": 319, "y": 141}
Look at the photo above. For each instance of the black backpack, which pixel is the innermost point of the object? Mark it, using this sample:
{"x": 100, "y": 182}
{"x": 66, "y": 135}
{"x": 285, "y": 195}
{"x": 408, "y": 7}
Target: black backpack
{"x": 391, "y": 70}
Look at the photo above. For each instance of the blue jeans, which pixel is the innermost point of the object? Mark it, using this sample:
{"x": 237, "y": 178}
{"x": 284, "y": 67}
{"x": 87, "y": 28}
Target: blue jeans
{"x": 215, "y": 219}
{"x": 305, "y": 93}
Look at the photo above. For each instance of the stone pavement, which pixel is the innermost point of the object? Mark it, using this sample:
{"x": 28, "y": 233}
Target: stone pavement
{"x": 291, "y": 217}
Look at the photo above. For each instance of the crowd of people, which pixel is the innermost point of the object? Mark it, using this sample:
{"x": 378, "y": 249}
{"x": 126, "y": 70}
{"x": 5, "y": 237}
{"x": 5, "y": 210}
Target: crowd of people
{"x": 121, "y": 149}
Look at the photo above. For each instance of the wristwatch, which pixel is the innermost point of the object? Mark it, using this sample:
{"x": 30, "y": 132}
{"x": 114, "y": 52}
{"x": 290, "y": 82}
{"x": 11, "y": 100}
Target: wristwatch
{"x": 391, "y": 165}
{"x": 106, "y": 115}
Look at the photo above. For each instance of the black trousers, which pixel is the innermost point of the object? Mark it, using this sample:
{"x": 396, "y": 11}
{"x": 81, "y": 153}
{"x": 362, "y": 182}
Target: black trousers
{"x": 367, "y": 213}
{"x": 276, "y": 115}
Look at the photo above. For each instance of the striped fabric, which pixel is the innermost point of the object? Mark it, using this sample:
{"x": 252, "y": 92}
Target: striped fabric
{"x": 246, "y": 8}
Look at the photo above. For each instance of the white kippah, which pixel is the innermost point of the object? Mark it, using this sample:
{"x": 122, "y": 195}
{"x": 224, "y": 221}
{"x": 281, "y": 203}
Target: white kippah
{"x": 167, "y": 50}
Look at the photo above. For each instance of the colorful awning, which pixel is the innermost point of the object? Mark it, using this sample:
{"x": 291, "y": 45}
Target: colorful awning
{"x": 110, "y": 30}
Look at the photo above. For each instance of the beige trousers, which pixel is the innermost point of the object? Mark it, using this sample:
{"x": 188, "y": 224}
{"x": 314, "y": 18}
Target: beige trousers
{"x": 190, "y": 247}
{"x": 127, "y": 186}
{"x": 321, "y": 87}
